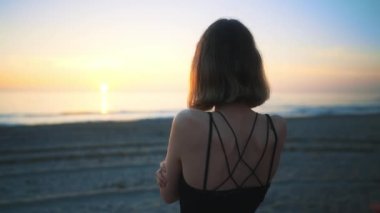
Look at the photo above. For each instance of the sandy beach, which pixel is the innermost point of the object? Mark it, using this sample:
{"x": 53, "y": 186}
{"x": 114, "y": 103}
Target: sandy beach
{"x": 330, "y": 164}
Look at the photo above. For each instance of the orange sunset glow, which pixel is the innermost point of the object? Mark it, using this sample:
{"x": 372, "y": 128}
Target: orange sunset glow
{"x": 117, "y": 57}
{"x": 68, "y": 45}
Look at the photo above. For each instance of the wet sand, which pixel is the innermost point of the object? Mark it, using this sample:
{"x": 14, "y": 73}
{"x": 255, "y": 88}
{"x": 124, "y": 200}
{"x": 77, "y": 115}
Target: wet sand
{"x": 330, "y": 164}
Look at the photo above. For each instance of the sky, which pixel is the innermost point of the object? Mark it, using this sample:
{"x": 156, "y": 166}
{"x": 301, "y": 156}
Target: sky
{"x": 307, "y": 46}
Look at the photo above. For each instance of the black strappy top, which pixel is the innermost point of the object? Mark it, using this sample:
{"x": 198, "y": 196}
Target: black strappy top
{"x": 239, "y": 199}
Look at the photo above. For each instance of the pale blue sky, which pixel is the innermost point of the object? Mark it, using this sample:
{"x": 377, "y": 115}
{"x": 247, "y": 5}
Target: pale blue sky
{"x": 317, "y": 41}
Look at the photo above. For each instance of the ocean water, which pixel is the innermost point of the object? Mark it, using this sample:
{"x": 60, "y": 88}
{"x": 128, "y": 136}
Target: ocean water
{"x": 28, "y": 108}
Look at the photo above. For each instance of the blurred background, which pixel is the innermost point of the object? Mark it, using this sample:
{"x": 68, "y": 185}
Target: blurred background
{"x": 88, "y": 90}
{"x": 64, "y": 61}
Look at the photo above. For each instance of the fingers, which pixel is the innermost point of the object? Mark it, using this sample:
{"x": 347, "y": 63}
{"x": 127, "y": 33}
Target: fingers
{"x": 161, "y": 181}
{"x": 161, "y": 177}
{"x": 163, "y": 166}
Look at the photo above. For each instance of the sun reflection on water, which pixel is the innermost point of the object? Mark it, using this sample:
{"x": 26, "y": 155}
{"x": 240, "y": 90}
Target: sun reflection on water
{"x": 103, "y": 102}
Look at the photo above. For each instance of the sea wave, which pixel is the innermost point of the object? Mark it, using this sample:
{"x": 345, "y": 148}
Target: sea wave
{"x": 74, "y": 117}
{"x": 287, "y": 111}
{"x": 308, "y": 111}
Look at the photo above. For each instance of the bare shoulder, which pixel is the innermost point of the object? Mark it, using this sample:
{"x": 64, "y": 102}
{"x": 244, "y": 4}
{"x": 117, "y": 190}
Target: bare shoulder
{"x": 278, "y": 121}
{"x": 188, "y": 127}
{"x": 280, "y": 125}
{"x": 189, "y": 117}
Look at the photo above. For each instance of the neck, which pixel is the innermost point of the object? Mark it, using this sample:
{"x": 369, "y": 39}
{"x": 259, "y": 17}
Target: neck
{"x": 233, "y": 107}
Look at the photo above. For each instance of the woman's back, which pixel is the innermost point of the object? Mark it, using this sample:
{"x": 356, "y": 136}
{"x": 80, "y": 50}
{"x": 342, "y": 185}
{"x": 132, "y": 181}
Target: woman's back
{"x": 229, "y": 151}
{"x": 223, "y": 161}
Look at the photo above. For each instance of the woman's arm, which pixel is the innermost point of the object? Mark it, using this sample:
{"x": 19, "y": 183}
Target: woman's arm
{"x": 170, "y": 170}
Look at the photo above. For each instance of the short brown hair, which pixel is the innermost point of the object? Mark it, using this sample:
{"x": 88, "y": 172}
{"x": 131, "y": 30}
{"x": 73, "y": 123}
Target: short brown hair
{"x": 227, "y": 68}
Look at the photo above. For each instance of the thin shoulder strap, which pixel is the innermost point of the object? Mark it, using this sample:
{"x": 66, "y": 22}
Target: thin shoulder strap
{"x": 274, "y": 147}
{"x": 208, "y": 151}
{"x": 232, "y": 130}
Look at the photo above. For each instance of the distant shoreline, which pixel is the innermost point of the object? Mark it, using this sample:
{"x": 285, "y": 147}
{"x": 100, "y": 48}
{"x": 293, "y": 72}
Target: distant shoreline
{"x": 54, "y": 108}
{"x": 148, "y": 120}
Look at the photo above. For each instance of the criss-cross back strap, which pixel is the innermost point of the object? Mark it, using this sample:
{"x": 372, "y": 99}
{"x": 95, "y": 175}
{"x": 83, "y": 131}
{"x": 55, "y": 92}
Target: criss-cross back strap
{"x": 245, "y": 146}
{"x": 226, "y": 160}
{"x": 240, "y": 159}
{"x": 253, "y": 172}
{"x": 208, "y": 151}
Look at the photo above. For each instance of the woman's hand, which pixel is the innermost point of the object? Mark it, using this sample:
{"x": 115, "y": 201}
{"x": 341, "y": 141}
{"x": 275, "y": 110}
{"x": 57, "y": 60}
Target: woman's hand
{"x": 161, "y": 175}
